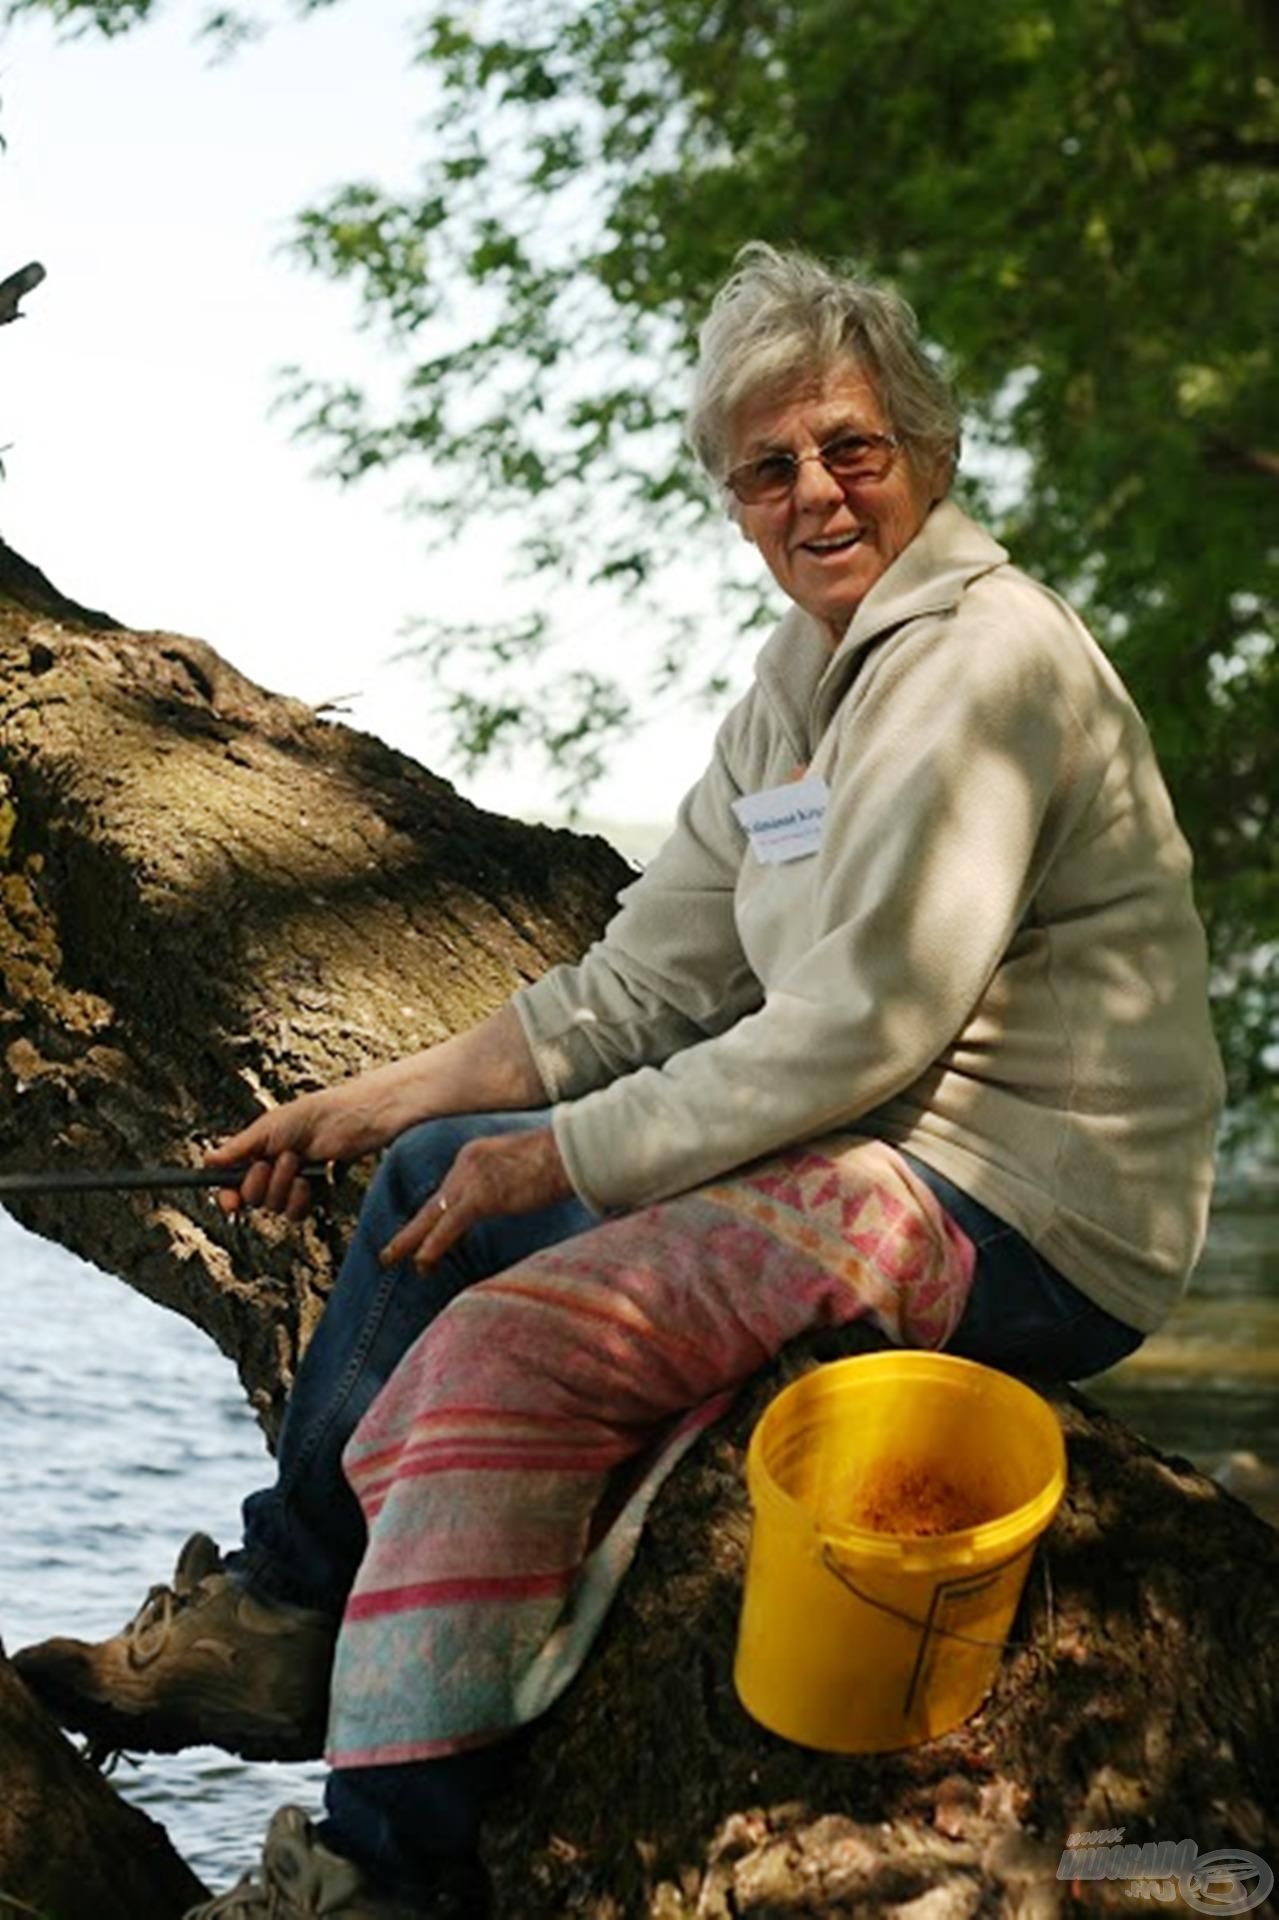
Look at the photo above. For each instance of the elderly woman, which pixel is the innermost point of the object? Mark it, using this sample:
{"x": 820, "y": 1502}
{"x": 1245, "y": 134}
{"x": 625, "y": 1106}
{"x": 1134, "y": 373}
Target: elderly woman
{"x": 907, "y": 1019}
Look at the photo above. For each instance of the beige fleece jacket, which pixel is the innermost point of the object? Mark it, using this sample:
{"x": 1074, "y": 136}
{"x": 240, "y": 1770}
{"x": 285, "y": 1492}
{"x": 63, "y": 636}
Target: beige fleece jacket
{"x": 992, "y": 958}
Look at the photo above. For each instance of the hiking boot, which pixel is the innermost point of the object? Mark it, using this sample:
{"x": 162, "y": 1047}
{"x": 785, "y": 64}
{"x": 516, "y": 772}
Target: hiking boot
{"x": 201, "y": 1660}
{"x": 300, "y": 1877}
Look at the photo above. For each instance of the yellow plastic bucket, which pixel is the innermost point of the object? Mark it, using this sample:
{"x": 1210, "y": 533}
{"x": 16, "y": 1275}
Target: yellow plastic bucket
{"x": 860, "y": 1632}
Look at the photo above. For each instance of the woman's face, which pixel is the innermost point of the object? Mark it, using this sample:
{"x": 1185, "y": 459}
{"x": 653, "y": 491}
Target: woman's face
{"x": 828, "y": 541}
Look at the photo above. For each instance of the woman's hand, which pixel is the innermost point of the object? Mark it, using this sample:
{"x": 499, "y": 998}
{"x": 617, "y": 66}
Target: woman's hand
{"x": 489, "y": 1068}
{"x": 508, "y": 1173}
{"x": 340, "y": 1123}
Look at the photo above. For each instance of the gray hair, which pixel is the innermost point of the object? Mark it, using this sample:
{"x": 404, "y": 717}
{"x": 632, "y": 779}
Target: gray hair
{"x": 785, "y": 318}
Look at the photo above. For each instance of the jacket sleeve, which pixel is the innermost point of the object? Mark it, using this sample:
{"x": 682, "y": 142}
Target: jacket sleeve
{"x": 669, "y": 971}
{"x": 943, "y": 812}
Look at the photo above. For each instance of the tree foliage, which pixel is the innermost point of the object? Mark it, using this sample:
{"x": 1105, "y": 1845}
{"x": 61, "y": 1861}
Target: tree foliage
{"x": 1078, "y": 197}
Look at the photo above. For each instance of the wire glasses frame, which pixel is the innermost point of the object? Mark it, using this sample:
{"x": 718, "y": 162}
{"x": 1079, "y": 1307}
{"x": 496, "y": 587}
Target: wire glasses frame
{"x": 849, "y": 457}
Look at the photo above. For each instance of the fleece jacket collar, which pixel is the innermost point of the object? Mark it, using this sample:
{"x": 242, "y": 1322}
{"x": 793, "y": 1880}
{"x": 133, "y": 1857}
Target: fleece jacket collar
{"x": 806, "y": 681}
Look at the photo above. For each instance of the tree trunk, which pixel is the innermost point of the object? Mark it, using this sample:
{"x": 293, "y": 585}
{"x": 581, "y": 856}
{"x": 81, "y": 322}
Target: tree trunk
{"x": 210, "y": 897}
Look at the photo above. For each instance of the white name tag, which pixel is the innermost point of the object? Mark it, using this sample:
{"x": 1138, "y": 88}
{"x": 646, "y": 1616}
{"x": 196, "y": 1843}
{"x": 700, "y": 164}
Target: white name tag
{"x": 785, "y": 823}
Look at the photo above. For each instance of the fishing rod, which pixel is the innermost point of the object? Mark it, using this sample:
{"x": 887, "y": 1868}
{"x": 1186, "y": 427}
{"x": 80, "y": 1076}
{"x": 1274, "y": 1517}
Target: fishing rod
{"x": 135, "y": 1179}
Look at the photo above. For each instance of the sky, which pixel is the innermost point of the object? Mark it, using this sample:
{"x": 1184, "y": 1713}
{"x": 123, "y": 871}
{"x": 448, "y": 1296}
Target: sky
{"x": 144, "y": 472}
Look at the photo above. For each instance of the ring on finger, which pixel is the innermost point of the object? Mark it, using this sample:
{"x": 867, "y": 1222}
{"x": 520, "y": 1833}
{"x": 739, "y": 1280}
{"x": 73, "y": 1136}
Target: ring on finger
{"x": 441, "y": 1203}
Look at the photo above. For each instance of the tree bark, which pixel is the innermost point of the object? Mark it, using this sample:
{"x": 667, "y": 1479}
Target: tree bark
{"x": 210, "y": 897}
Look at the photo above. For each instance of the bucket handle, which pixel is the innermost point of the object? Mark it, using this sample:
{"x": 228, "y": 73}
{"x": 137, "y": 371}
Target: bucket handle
{"x": 832, "y": 1565}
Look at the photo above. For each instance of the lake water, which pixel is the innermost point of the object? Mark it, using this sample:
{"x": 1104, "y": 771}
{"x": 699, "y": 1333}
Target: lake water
{"x": 125, "y": 1430}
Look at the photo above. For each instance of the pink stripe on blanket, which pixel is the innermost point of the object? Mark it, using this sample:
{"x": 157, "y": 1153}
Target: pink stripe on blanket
{"x": 469, "y": 1421}
{"x": 445, "y": 1593}
{"x": 623, "y": 1316}
{"x": 396, "y": 1753}
{"x": 566, "y": 1459}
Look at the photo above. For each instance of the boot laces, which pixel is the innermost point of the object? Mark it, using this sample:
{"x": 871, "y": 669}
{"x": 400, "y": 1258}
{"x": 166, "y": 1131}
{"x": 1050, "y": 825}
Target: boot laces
{"x": 148, "y": 1631}
{"x": 251, "y": 1898}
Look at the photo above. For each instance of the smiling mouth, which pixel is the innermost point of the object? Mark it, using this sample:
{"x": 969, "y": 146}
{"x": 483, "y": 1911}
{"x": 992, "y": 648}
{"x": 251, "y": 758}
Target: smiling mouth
{"x": 837, "y": 543}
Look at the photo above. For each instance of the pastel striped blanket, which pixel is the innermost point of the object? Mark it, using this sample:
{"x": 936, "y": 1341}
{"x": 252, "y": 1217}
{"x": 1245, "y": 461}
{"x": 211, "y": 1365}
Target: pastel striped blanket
{"x": 506, "y": 1469}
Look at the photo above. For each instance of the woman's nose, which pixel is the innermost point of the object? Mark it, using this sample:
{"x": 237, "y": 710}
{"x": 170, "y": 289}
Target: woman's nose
{"x": 815, "y": 484}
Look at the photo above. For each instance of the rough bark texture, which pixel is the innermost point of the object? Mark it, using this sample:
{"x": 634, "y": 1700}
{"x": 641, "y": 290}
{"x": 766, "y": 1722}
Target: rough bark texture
{"x": 70, "y": 1849}
{"x": 208, "y": 896}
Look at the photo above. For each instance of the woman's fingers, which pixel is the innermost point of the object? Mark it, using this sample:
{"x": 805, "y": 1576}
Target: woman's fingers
{"x": 251, "y": 1143}
{"x": 273, "y": 1145}
{"x": 252, "y": 1189}
{"x": 284, "y": 1171}
{"x": 272, "y": 1184}
{"x": 298, "y": 1204}
{"x": 504, "y": 1174}
{"x": 436, "y": 1226}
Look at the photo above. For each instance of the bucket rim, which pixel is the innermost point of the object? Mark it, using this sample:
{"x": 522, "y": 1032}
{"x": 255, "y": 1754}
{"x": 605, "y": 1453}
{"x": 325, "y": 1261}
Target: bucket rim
{"x": 1014, "y": 1530}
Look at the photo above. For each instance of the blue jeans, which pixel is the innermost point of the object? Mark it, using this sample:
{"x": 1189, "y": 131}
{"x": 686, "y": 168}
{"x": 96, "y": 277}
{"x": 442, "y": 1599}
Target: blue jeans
{"x": 304, "y": 1537}
{"x": 1022, "y": 1315}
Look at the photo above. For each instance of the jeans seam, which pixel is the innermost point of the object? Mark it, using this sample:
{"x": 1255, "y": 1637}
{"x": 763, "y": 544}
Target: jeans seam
{"x": 993, "y": 1239}
{"x": 313, "y": 1439}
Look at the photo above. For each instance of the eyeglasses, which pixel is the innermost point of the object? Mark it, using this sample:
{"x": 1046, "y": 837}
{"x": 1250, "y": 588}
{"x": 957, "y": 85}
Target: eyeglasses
{"x": 848, "y": 457}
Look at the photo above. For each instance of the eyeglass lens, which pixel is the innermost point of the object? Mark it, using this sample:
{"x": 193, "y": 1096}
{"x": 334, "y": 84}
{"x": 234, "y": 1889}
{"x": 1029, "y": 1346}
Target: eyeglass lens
{"x": 849, "y": 456}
